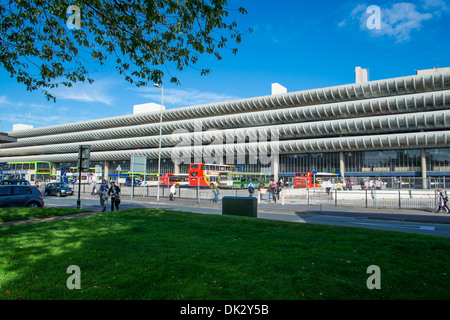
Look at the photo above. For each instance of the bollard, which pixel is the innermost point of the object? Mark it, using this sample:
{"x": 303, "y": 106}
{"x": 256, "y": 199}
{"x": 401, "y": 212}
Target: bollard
{"x": 366, "y": 198}
{"x": 374, "y": 197}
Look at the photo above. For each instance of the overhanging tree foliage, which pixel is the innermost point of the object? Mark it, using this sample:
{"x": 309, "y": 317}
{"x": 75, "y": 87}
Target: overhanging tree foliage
{"x": 44, "y": 44}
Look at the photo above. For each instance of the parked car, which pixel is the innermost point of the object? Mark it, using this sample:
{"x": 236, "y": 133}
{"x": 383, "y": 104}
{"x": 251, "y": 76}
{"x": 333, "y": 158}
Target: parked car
{"x": 20, "y": 182}
{"x": 58, "y": 188}
{"x": 20, "y": 196}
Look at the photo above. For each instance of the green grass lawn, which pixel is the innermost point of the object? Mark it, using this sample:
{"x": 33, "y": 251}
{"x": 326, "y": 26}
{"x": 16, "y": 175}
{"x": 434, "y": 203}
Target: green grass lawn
{"x": 158, "y": 254}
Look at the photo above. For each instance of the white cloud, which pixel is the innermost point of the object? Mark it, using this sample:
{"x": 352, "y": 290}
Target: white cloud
{"x": 399, "y": 20}
{"x": 18, "y": 111}
{"x": 179, "y": 97}
{"x": 3, "y": 100}
{"x": 440, "y": 5}
{"x": 39, "y": 119}
{"x": 86, "y": 92}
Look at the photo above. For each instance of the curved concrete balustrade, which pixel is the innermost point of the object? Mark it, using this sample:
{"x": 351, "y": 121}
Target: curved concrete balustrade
{"x": 346, "y": 110}
{"x": 374, "y": 89}
{"x": 433, "y": 120}
{"x": 396, "y": 141}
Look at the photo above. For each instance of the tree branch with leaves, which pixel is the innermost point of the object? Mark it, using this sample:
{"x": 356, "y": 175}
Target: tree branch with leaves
{"x": 142, "y": 36}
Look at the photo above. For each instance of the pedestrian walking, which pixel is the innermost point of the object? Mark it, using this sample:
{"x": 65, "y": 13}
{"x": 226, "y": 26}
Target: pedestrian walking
{"x": 270, "y": 189}
{"x": 280, "y": 186}
{"x": 172, "y": 192}
{"x": 216, "y": 192}
{"x": 114, "y": 192}
{"x": 251, "y": 189}
{"x": 262, "y": 190}
{"x": 327, "y": 185}
{"x": 94, "y": 188}
{"x": 103, "y": 194}
{"x": 442, "y": 201}
{"x": 275, "y": 192}
{"x": 371, "y": 184}
{"x": 378, "y": 184}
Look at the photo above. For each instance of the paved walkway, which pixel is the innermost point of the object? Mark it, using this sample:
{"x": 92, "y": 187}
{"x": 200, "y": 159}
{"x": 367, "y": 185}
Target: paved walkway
{"x": 206, "y": 207}
{"x": 83, "y": 214}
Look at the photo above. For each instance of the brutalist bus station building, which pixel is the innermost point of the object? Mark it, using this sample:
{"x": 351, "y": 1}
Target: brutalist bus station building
{"x": 395, "y": 129}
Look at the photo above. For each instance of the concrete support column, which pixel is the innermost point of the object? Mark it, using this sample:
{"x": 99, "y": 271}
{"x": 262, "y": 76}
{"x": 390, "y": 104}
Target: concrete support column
{"x": 106, "y": 170}
{"x": 276, "y": 165}
{"x": 423, "y": 160}
{"x": 54, "y": 166}
{"x": 176, "y": 168}
{"x": 342, "y": 163}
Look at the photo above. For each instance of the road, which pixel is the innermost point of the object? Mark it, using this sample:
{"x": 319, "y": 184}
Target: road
{"x": 414, "y": 221}
{"x": 437, "y": 229}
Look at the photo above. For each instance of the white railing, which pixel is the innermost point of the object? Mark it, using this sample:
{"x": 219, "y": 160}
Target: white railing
{"x": 297, "y": 199}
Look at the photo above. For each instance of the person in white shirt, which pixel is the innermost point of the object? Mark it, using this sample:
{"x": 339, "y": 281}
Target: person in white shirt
{"x": 172, "y": 192}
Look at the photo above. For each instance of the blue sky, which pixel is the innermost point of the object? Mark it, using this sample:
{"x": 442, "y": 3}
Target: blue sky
{"x": 299, "y": 44}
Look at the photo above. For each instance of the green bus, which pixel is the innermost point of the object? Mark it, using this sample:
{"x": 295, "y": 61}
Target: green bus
{"x": 32, "y": 171}
{"x": 240, "y": 180}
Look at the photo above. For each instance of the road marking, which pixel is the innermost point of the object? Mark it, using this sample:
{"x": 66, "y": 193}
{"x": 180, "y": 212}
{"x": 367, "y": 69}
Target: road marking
{"x": 429, "y": 228}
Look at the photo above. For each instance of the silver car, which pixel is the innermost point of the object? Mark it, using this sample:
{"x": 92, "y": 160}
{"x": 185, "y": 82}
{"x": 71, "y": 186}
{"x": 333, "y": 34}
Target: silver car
{"x": 20, "y": 196}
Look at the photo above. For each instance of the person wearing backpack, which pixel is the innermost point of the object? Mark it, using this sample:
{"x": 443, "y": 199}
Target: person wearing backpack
{"x": 216, "y": 192}
{"x": 251, "y": 189}
{"x": 442, "y": 201}
{"x": 103, "y": 192}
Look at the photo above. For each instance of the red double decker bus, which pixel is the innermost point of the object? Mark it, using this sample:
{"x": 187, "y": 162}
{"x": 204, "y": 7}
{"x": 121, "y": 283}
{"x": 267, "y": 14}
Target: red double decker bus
{"x": 312, "y": 179}
{"x": 202, "y": 174}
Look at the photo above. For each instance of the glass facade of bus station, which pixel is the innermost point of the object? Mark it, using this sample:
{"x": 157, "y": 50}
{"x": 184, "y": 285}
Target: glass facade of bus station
{"x": 437, "y": 160}
{"x": 401, "y": 168}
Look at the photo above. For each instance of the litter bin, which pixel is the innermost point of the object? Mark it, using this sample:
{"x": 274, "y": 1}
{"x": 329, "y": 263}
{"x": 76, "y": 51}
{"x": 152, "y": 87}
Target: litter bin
{"x": 240, "y": 206}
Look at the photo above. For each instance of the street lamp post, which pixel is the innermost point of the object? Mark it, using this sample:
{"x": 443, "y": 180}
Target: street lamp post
{"x": 160, "y": 133}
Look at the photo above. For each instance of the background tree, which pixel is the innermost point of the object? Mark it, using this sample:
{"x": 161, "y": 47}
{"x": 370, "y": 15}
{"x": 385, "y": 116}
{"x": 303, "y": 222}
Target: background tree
{"x": 44, "y": 44}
